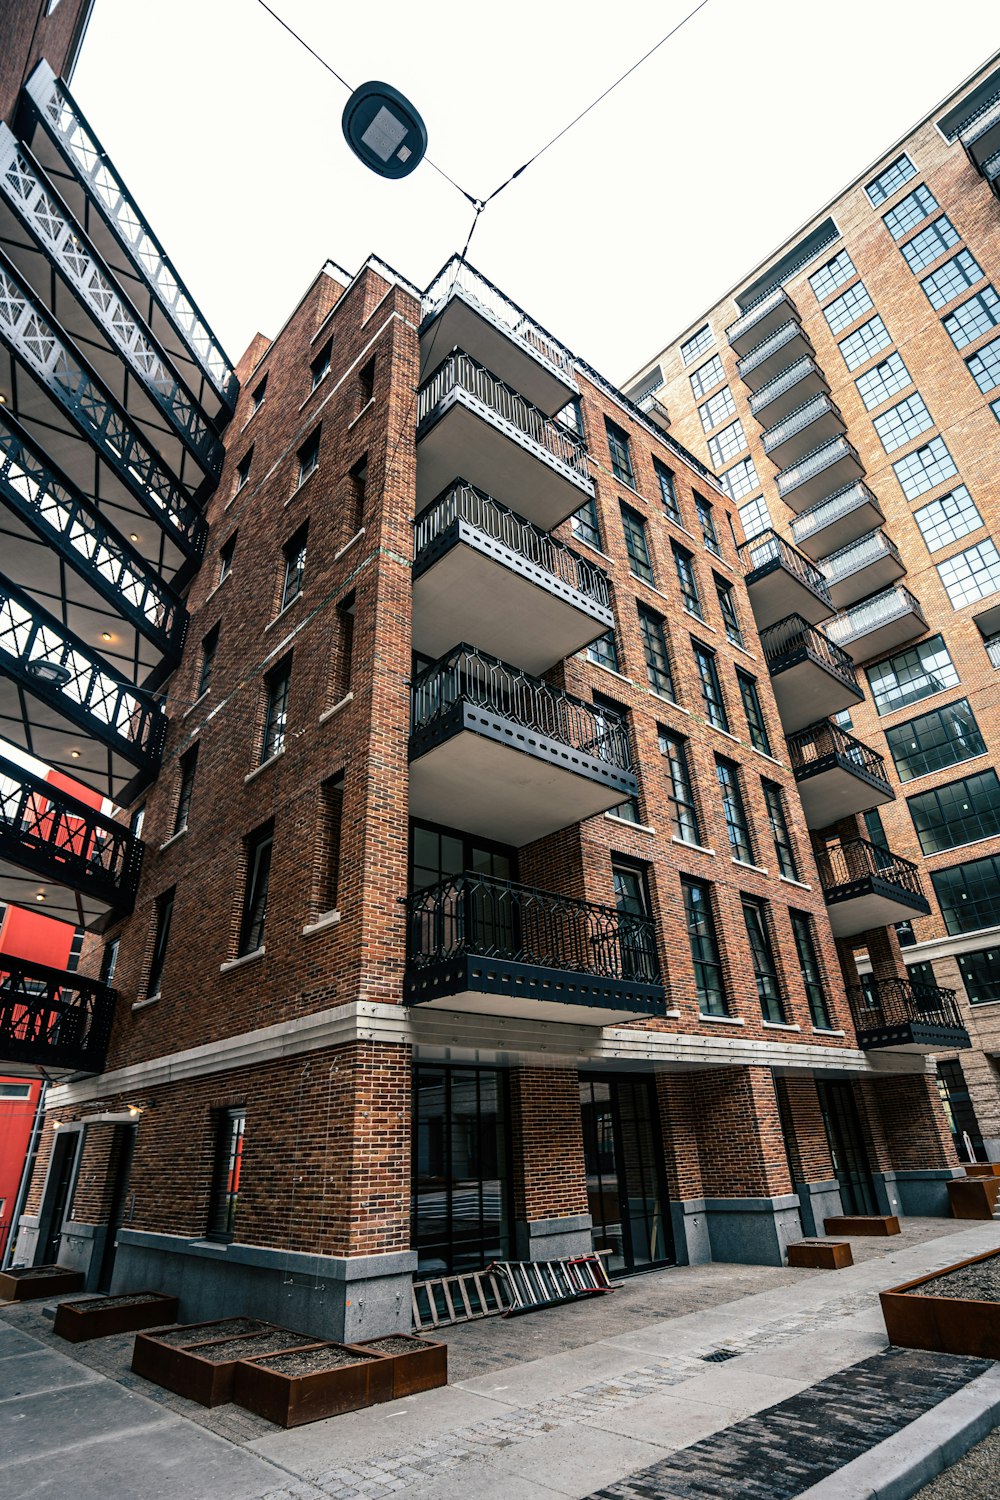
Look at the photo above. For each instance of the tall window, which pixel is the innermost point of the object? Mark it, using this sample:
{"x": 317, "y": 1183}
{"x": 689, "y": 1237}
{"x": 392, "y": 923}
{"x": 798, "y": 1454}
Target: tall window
{"x": 836, "y": 271}
{"x": 259, "y": 392}
{"x": 911, "y": 675}
{"x": 164, "y": 912}
{"x": 848, "y": 307}
{"x": 226, "y": 554}
{"x": 330, "y": 825}
{"x": 890, "y": 180}
{"x": 635, "y": 544}
{"x": 654, "y": 647}
{"x": 902, "y": 423}
{"x": 258, "y": 867}
{"x": 972, "y": 574}
{"x": 707, "y": 376}
{"x": 727, "y": 443}
{"x": 276, "y": 687}
{"x": 952, "y": 279}
{"x": 765, "y": 970}
{"x": 754, "y": 517}
{"x": 227, "y": 1162}
{"x": 209, "y": 647}
{"x": 959, "y": 813}
{"x": 784, "y": 852}
{"x": 812, "y": 974}
{"x": 864, "y": 343}
{"x": 925, "y": 467}
{"x": 366, "y": 384}
{"x": 243, "y": 470}
{"x": 357, "y": 483}
{"x": 320, "y": 366}
{"x": 940, "y": 738}
{"x": 708, "y": 979}
{"x": 973, "y": 318}
{"x": 984, "y": 367}
{"x": 621, "y": 459}
{"x": 726, "y": 595}
{"x": 711, "y": 688}
{"x": 697, "y": 344}
{"x": 947, "y": 518}
{"x": 981, "y": 975}
{"x": 750, "y": 698}
{"x": 717, "y": 408}
{"x": 604, "y": 651}
{"x": 109, "y": 961}
{"x": 638, "y": 951}
{"x": 909, "y": 211}
{"x": 883, "y": 380}
{"x": 186, "y": 789}
{"x": 294, "y": 558}
{"x": 931, "y": 242}
{"x": 683, "y": 813}
{"x": 706, "y": 518}
{"x": 343, "y": 653}
{"x": 969, "y": 894}
{"x": 308, "y": 456}
{"x": 684, "y": 563}
{"x": 585, "y": 524}
{"x": 668, "y": 490}
{"x": 740, "y": 479}
{"x": 733, "y": 810}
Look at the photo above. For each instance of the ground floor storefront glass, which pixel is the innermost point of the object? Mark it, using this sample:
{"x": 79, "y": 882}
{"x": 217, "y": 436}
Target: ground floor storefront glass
{"x": 626, "y": 1190}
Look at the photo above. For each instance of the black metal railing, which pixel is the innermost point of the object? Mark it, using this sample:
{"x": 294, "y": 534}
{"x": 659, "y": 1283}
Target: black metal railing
{"x": 993, "y": 650}
{"x": 461, "y": 371}
{"x": 468, "y": 675}
{"x": 899, "y": 1002}
{"x": 794, "y": 637}
{"x": 479, "y": 916}
{"x": 768, "y": 547}
{"x": 458, "y": 274}
{"x": 51, "y": 833}
{"x": 53, "y": 1019}
{"x": 820, "y": 741}
{"x": 857, "y": 861}
{"x": 464, "y": 502}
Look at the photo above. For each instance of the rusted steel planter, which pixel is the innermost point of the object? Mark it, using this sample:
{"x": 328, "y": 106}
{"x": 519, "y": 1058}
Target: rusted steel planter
{"x": 290, "y": 1400}
{"x": 31, "y": 1282}
{"x": 189, "y": 1368}
{"x": 983, "y": 1169}
{"x": 102, "y": 1316}
{"x": 873, "y": 1224}
{"x": 973, "y": 1197}
{"x": 420, "y": 1366}
{"x": 946, "y": 1325}
{"x": 823, "y": 1255}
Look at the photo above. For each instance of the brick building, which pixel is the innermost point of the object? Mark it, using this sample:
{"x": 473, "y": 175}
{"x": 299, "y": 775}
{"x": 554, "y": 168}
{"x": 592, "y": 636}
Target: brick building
{"x": 479, "y": 912}
{"x": 846, "y": 393}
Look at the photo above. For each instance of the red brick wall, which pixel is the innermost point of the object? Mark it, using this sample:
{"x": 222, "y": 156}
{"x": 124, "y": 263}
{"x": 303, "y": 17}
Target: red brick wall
{"x": 549, "y": 1177}
{"x": 29, "y": 35}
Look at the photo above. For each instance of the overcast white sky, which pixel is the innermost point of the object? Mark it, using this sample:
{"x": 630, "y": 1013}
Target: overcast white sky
{"x": 228, "y": 133}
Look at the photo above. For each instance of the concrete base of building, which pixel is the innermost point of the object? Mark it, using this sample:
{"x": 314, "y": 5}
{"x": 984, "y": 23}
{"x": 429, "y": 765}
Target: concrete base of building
{"x": 818, "y": 1201}
{"x": 923, "y": 1194}
{"x": 754, "y": 1231}
{"x": 689, "y": 1220}
{"x": 553, "y": 1239}
{"x": 81, "y": 1248}
{"x": 27, "y": 1241}
{"x": 334, "y": 1297}
{"x": 992, "y": 1145}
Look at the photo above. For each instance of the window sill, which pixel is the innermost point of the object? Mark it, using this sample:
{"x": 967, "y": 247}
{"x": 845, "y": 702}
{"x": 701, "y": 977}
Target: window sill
{"x": 328, "y": 919}
{"x": 250, "y": 418}
{"x": 724, "y": 732}
{"x": 662, "y": 698}
{"x": 329, "y": 713}
{"x": 252, "y": 775}
{"x": 148, "y": 1000}
{"x": 827, "y": 1031}
{"x": 367, "y": 407}
{"x": 610, "y": 671}
{"x": 698, "y": 619}
{"x": 173, "y": 838}
{"x": 764, "y": 755}
{"x": 200, "y": 698}
{"x": 628, "y": 823}
{"x": 301, "y": 486}
{"x": 721, "y": 1020}
{"x": 282, "y": 613}
{"x": 580, "y": 541}
{"x": 318, "y": 386}
{"x": 745, "y": 865}
{"x": 244, "y": 958}
{"x": 686, "y": 844}
{"x": 216, "y": 587}
{"x": 744, "y": 649}
{"x": 799, "y": 884}
{"x": 630, "y": 487}
{"x": 349, "y": 544}
{"x": 779, "y": 1026}
{"x": 679, "y": 526}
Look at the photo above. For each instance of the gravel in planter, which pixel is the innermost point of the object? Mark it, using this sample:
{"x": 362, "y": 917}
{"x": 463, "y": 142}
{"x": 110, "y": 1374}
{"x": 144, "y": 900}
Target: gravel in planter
{"x": 230, "y": 1329}
{"x": 311, "y": 1361}
{"x": 28, "y": 1273}
{"x": 249, "y": 1348}
{"x": 124, "y": 1300}
{"x": 978, "y": 1283}
{"x": 396, "y": 1343}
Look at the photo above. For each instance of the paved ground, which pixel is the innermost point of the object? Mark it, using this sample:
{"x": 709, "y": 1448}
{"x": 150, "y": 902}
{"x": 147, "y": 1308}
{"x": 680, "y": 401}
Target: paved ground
{"x": 562, "y": 1403}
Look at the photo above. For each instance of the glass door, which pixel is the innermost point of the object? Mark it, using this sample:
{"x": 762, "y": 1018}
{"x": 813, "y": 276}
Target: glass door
{"x": 847, "y": 1148}
{"x": 626, "y": 1192}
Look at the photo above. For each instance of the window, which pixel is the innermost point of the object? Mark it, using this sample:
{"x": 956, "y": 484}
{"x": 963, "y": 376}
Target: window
{"x": 740, "y": 479}
{"x": 188, "y": 763}
{"x": 294, "y": 556}
{"x": 875, "y": 831}
{"x": 329, "y": 828}
{"x": 902, "y": 423}
{"x": 109, "y": 961}
{"x": 357, "y": 486}
{"x": 226, "y": 1166}
{"x": 973, "y": 318}
{"x": 812, "y": 975}
{"x": 716, "y": 409}
{"x": 136, "y": 821}
{"x": 209, "y": 648}
{"x": 958, "y": 813}
{"x": 726, "y": 595}
{"x": 969, "y": 894}
{"x": 941, "y": 738}
{"x": 571, "y": 416}
{"x": 707, "y": 376}
{"x": 343, "y": 654}
{"x": 890, "y": 180}
{"x": 755, "y": 714}
{"x": 14, "y": 1091}
{"x": 984, "y": 366}
{"x": 882, "y": 381}
{"x": 833, "y": 274}
{"x": 366, "y": 384}
{"x": 257, "y": 398}
{"x": 981, "y": 975}
{"x": 164, "y": 911}
{"x": 308, "y": 456}
{"x": 864, "y": 342}
{"x": 848, "y": 307}
{"x": 635, "y": 932}
{"x": 635, "y": 545}
{"x": 243, "y": 470}
{"x": 912, "y": 675}
{"x": 726, "y": 444}
{"x": 972, "y": 574}
{"x": 947, "y": 518}
{"x": 684, "y": 563}
{"x": 755, "y": 517}
{"x": 952, "y": 279}
{"x": 921, "y": 975}
{"x": 708, "y": 981}
{"x": 683, "y": 812}
{"x": 585, "y": 524}
{"x": 765, "y": 972}
{"x": 668, "y": 491}
{"x": 226, "y": 554}
{"x": 711, "y": 689}
{"x": 925, "y": 467}
{"x": 931, "y": 242}
{"x": 276, "y": 687}
{"x": 654, "y": 647}
{"x": 258, "y": 873}
{"x": 783, "y": 850}
{"x": 621, "y": 459}
{"x": 843, "y": 719}
{"x": 697, "y": 344}
{"x": 604, "y": 652}
{"x": 734, "y": 810}
{"x": 908, "y": 213}
{"x": 320, "y": 366}
{"x": 706, "y": 520}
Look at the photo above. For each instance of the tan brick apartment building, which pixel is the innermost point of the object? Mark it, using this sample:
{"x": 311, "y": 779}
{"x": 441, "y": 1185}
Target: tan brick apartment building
{"x": 464, "y": 901}
{"x": 847, "y": 394}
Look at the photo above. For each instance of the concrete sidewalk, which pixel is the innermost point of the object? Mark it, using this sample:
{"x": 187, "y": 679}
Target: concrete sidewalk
{"x": 561, "y": 1403}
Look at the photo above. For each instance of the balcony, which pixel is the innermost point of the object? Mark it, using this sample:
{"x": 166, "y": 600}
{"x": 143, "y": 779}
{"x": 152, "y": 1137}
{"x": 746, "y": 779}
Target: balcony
{"x": 879, "y": 624}
{"x": 896, "y": 1015}
{"x": 654, "y": 411}
{"x": 462, "y": 310}
{"x": 836, "y": 774}
{"x": 991, "y": 172}
{"x": 861, "y": 568}
{"x": 865, "y": 887}
{"x": 761, "y": 320}
{"x": 52, "y": 1022}
{"x": 981, "y": 137}
{"x": 471, "y": 423}
{"x": 804, "y": 430}
{"x": 507, "y": 756}
{"x": 781, "y": 581}
{"x": 492, "y": 947}
{"x": 788, "y": 390}
{"x": 826, "y": 469}
{"x": 480, "y": 570}
{"x": 811, "y": 677}
{"x": 81, "y": 862}
{"x": 771, "y": 355}
{"x": 837, "y": 521}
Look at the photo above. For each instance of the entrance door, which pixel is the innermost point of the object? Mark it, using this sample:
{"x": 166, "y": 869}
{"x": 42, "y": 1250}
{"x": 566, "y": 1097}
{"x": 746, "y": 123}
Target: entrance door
{"x": 961, "y": 1113}
{"x": 122, "y": 1149}
{"x": 56, "y": 1204}
{"x": 847, "y": 1147}
{"x": 625, "y": 1188}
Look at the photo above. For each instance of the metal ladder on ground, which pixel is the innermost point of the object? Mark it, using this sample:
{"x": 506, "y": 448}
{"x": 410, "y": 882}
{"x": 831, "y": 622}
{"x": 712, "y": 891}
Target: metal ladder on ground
{"x": 508, "y": 1288}
{"x": 443, "y": 1300}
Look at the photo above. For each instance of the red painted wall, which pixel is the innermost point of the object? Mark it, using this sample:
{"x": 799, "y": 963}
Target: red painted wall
{"x": 16, "y": 1116}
